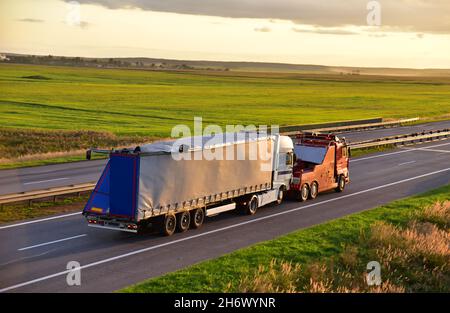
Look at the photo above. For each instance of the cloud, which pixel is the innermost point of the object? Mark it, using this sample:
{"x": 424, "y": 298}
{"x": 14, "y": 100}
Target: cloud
{"x": 84, "y": 24}
{"x": 81, "y": 24}
{"x": 325, "y": 31}
{"x": 263, "y": 29}
{"x": 31, "y": 20}
{"x": 405, "y": 15}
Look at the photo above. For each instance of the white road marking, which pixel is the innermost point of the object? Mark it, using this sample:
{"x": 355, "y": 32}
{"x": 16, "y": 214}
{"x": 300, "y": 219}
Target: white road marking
{"x": 410, "y": 162}
{"x": 44, "y": 181}
{"x": 397, "y": 152}
{"x": 434, "y": 150}
{"x": 51, "y": 242}
{"x": 220, "y": 229}
{"x": 41, "y": 220}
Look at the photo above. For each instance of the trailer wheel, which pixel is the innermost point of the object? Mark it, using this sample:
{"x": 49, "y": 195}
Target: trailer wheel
{"x": 281, "y": 193}
{"x": 169, "y": 225}
{"x": 252, "y": 206}
{"x": 183, "y": 221}
{"x": 303, "y": 194}
{"x": 314, "y": 190}
{"x": 341, "y": 184}
{"x": 197, "y": 218}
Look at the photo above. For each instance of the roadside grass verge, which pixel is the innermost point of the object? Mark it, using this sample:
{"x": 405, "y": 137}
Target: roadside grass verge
{"x": 32, "y": 147}
{"x": 17, "y": 143}
{"x": 364, "y": 151}
{"x": 47, "y": 159}
{"x": 409, "y": 238}
{"x": 16, "y": 212}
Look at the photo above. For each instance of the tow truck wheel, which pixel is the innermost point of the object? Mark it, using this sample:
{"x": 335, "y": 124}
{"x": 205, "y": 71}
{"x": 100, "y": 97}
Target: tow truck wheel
{"x": 252, "y": 206}
{"x": 169, "y": 225}
{"x": 304, "y": 193}
{"x": 197, "y": 218}
{"x": 183, "y": 221}
{"x": 341, "y": 184}
{"x": 280, "y": 197}
{"x": 314, "y": 190}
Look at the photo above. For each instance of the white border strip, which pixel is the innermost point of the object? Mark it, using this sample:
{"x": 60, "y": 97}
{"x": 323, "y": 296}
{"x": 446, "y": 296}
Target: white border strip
{"x": 51, "y": 242}
{"x": 41, "y": 220}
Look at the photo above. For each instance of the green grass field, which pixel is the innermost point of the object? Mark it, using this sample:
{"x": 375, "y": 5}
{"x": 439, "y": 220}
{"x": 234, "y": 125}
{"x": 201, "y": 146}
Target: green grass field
{"x": 148, "y": 103}
{"x": 414, "y": 255}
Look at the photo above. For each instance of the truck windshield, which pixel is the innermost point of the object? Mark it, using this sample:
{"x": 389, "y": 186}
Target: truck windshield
{"x": 310, "y": 154}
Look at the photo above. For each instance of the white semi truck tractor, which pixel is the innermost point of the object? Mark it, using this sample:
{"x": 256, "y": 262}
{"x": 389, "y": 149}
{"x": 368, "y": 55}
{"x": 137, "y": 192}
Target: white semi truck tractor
{"x": 176, "y": 184}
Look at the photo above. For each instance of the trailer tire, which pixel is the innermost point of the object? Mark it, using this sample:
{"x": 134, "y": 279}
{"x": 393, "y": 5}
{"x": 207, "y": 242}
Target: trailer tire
{"x": 314, "y": 190}
{"x": 252, "y": 206}
{"x": 197, "y": 217}
{"x": 341, "y": 184}
{"x": 281, "y": 193}
{"x": 303, "y": 194}
{"x": 169, "y": 224}
{"x": 183, "y": 221}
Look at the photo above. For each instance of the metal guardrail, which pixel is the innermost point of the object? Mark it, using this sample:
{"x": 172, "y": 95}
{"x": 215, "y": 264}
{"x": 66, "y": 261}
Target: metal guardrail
{"x": 345, "y": 128}
{"x": 403, "y": 139}
{"x": 45, "y": 193}
{"x": 305, "y": 127}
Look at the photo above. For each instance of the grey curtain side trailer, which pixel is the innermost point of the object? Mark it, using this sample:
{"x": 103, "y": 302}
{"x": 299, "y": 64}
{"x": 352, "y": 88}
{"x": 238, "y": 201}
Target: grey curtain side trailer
{"x": 177, "y": 186}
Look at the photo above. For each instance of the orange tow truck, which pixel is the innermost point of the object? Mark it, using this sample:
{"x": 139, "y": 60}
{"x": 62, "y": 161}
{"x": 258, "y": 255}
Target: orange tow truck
{"x": 321, "y": 164}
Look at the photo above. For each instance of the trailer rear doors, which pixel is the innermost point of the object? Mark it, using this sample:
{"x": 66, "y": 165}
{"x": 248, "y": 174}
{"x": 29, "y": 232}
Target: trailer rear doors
{"x": 123, "y": 185}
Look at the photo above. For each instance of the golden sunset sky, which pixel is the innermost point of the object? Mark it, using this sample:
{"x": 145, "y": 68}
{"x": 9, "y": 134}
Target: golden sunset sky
{"x": 413, "y": 33}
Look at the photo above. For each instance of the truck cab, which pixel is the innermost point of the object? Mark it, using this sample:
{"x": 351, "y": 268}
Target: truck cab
{"x": 321, "y": 164}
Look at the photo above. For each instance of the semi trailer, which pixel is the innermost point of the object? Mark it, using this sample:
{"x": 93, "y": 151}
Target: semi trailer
{"x": 322, "y": 164}
{"x": 176, "y": 184}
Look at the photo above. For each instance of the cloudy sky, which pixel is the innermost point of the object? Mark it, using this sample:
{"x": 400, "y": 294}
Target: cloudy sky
{"x": 412, "y": 33}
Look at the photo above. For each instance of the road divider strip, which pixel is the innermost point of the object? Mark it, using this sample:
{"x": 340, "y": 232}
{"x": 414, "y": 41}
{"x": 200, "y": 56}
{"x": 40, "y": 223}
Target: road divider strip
{"x": 397, "y": 152}
{"x": 415, "y": 138}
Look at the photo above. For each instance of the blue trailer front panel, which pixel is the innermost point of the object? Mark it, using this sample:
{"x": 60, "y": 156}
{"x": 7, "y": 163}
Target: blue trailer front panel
{"x": 98, "y": 203}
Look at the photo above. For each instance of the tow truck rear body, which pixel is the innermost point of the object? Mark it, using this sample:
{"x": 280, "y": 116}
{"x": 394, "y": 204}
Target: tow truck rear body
{"x": 322, "y": 164}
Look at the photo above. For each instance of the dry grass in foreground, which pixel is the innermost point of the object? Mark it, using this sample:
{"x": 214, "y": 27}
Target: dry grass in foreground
{"x": 415, "y": 258}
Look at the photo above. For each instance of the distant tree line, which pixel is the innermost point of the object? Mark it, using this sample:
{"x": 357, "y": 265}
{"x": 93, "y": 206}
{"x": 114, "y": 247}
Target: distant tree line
{"x": 99, "y": 62}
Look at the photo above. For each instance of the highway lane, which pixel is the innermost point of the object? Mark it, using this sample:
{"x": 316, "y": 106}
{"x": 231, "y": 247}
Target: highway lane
{"x": 393, "y": 131}
{"x": 36, "y": 255}
{"x": 41, "y": 177}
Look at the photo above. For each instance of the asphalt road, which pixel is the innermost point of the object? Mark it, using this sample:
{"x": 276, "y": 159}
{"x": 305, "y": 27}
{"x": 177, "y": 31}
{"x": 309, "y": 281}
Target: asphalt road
{"x": 34, "y": 256}
{"x": 393, "y": 131}
{"x": 41, "y": 177}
